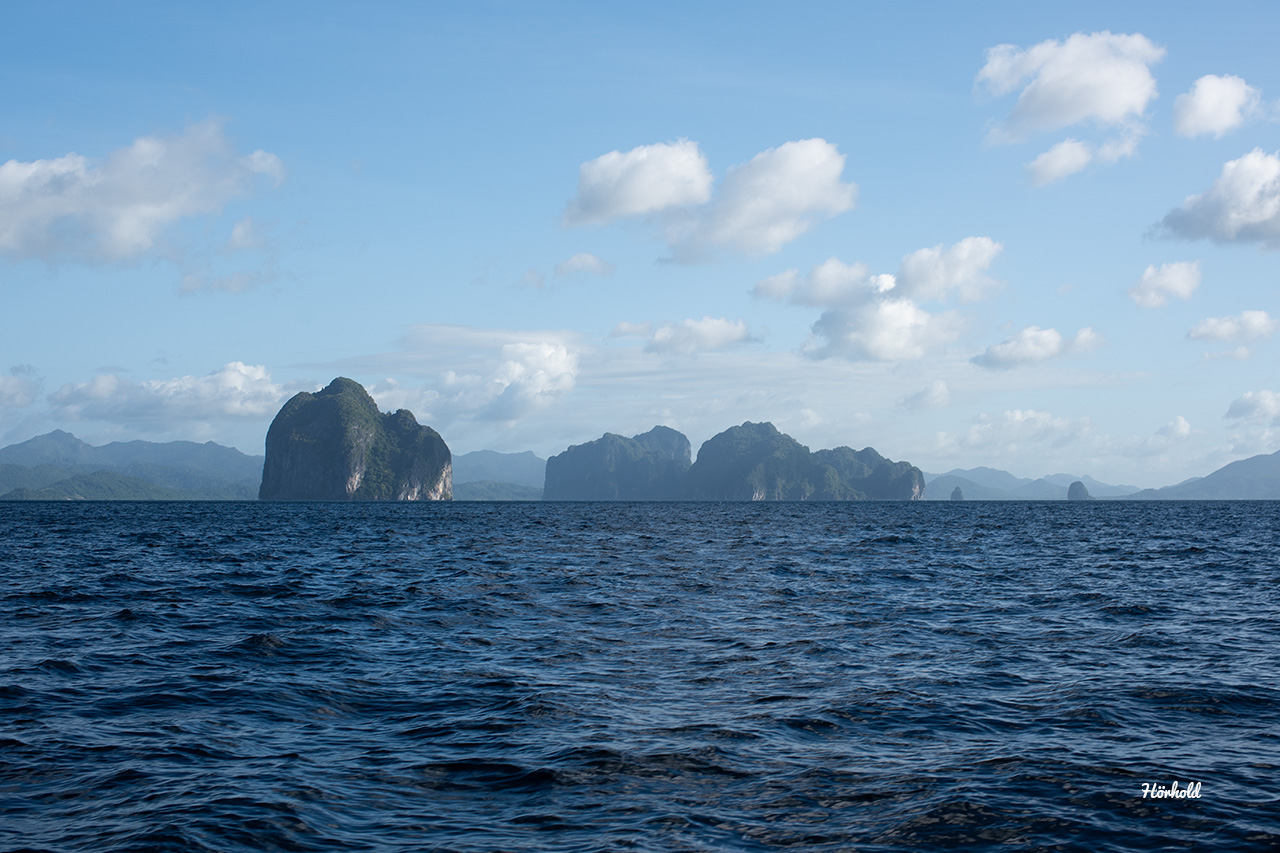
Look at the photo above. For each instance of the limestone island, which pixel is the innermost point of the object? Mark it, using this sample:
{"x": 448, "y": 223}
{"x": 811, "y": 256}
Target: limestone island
{"x": 335, "y": 445}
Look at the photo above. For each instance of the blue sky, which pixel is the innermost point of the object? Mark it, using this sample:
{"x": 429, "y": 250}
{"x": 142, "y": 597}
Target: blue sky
{"x": 1043, "y": 240}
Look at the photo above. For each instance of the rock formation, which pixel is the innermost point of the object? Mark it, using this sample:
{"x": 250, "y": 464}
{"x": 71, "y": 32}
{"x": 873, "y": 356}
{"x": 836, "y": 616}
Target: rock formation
{"x": 957, "y": 494}
{"x": 645, "y": 467}
{"x": 757, "y": 462}
{"x": 334, "y": 445}
{"x": 1077, "y": 492}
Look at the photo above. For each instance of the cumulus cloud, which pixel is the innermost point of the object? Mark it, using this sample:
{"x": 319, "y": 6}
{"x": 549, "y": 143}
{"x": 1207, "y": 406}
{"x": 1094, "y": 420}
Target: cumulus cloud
{"x": 759, "y": 206}
{"x": 1214, "y": 105}
{"x": 1066, "y": 158}
{"x": 645, "y": 180}
{"x": 1034, "y": 344}
{"x": 831, "y": 283}
{"x": 495, "y": 376}
{"x": 879, "y": 316}
{"x": 630, "y": 330}
{"x": 1178, "y": 428}
{"x": 1104, "y": 78}
{"x": 1157, "y": 284}
{"x": 934, "y": 396}
{"x": 884, "y": 330}
{"x": 1098, "y": 79}
{"x": 1242, "y": 206}
{"x": 583, "y": 262}
{"x": 770, "y": 200}
{"x": 707, "y": 334}
{"x": 119, "y": 209}
{"x": 936, "y": 273}
{"x": 1243, "y": 327}
{"x": 19, "y": 388}
{"x": 237, "y": 390}
{"x": 1258, "y": 406}
{"x": 531, "y": 376}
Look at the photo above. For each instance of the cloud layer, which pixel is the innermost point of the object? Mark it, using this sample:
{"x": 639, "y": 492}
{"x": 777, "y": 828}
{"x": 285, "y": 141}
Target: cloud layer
{"x": 237, "y": 390}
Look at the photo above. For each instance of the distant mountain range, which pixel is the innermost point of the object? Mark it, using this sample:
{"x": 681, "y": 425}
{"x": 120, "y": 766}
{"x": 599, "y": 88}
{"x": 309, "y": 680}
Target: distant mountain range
{"x": 59, "y": 466}
{"x": 1255, "y": 478}
{"x": 992, "y": 484}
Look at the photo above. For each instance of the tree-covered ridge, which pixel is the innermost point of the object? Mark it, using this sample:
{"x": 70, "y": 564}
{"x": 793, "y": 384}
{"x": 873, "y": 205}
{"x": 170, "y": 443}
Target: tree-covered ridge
{"x": 57, "y": 465}
{"x": 645, "y": 467}
{"x": 753, "y": 461}
{"x": 335, "y": 444}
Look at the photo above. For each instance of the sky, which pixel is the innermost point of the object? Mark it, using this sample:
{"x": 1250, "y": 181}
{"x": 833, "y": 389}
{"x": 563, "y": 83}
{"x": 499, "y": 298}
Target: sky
{"x": 1043, "y": 238}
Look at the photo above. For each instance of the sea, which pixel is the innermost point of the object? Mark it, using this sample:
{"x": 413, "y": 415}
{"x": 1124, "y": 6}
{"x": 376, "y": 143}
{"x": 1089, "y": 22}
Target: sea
{"x": 1063, "y": 676}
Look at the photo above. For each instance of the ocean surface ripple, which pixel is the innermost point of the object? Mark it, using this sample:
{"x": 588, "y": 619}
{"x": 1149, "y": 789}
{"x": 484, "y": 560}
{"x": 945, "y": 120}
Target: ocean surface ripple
{"x": 655, "y": 677}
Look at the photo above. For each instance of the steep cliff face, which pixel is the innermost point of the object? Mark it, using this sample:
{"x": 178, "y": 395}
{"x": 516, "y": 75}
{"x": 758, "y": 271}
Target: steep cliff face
{"x": 645, "y": 467}
{"x": 757, "y": 462}
{"x": 334, "y": 445}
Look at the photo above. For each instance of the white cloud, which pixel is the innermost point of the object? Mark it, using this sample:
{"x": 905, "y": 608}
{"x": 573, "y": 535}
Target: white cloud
{"x": 1242, "y": 206}
{"x": 831, "y": 283}
{"x": 1178, "y": 428}
{"x": 1103, "y": 78}
{"x": 245, "y": 235}
{"x": 1066, "y": 158}
{"x": 934, "y": 396}
{"x": 1157, "y": 284}
{"x": 1018, "y": 430}
{"x": 759, "y": 206}
{"x": 689, "y": 336}
{"x": 237, "y": 390}
{"x": 645, "y": 180}
{"x": 1255, "y": 406}
{"x": 120, "y": 208}
{"x": 777, "y": 287}
{"x": 583, "y": 262}
{"x": 1214, "y": 105}
{"x": 19, "y": 388}
{"x": 879, "y": 316}
{"x": 531, "y": 376}
{"x": 769, "y": 201}
{"x": 933, "y": 274}
{"x": 1034, "y": 344}
{"x": 886, "y": 330}
{"x": 473, "y": 378}
{"x": 1245, "y": 326}
{"x": 630, "y": 330}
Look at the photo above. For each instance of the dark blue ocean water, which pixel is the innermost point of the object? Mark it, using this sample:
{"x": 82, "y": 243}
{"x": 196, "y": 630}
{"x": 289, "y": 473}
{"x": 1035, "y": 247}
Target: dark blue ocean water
{"x": 583, "y": 677}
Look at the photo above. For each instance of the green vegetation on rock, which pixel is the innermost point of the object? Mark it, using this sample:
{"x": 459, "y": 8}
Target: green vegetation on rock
{"x": 755, "y": 461}
{"x": 102, "y": 485}
{"x": 490, "y": 490}
{"x": 645, "y": 467}
{"x": 336, "y": 445}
